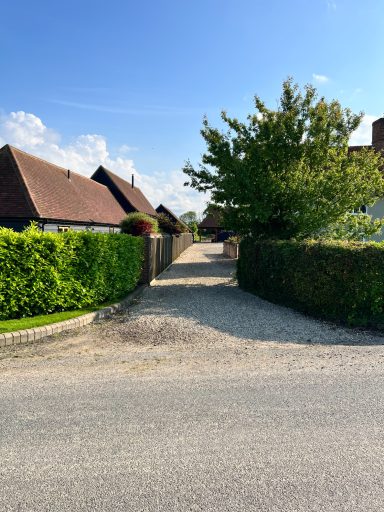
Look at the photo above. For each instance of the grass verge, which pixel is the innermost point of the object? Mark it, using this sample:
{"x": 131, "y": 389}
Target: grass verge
{"x": 30, "y": 322}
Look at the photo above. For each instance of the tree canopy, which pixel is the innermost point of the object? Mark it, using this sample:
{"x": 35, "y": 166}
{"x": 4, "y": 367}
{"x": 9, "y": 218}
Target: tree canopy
{"x": 191, "y": 220}
{"x": 189, "y": 216}
{"x": 287, "y": 173}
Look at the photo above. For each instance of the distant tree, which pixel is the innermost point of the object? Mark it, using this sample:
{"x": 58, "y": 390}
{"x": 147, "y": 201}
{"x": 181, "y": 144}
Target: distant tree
{"x": 287, "y": 172}
{"x": 193, "y": 227}
{"x": 189, "y": 217}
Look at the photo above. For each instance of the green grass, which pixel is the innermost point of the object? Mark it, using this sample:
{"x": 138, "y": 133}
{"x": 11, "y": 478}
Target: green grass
{"x": 37, "y": 321}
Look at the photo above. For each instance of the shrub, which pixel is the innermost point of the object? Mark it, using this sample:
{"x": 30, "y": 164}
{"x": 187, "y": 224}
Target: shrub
{"x": 336, "y": 280}
{"x": 47, "y": 272}
{"x": 137, "y": 224}
{"x": 167, "y": 226}
{"x": 235, "y": 239}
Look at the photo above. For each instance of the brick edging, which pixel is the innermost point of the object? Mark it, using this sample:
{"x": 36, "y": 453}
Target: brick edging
{"x": 37, "y": 333}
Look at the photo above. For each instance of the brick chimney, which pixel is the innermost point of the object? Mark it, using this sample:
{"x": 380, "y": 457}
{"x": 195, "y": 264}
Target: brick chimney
{"x": 378, "y": 134}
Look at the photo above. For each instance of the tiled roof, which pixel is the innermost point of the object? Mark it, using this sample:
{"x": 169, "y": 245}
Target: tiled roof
{"x": 163, "y": 209}
{"x": 211, "y": 221}
{"x": 39, "y": 189}
{"x": 124, "y": 192}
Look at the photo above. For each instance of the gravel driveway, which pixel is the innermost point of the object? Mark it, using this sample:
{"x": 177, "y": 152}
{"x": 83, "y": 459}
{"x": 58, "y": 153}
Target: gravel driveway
{"x": 200, "y": 397}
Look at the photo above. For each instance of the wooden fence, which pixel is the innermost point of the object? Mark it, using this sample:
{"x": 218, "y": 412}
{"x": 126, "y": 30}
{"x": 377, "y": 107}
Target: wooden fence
{"x": 161, "y": 251}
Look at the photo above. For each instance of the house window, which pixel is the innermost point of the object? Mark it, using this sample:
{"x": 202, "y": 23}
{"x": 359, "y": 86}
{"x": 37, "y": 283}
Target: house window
{"x": 361, "y": 209}
{"x": 111, "y": 230}
{"x": 63, "y": 229}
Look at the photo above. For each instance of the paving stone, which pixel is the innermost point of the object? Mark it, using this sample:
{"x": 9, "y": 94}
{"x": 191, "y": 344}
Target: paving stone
{"x": 37, "y": 331}
{"x": 16, "y": 338}
{"x": 8, "y": 338}
{"x": 49, "y": 330}
{"x": 23, "y": 336}
{"x": 31, "y": 335}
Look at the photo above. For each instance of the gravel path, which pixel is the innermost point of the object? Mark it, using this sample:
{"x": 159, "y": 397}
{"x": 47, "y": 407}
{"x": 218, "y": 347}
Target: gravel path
{"x": 199, "y": 397}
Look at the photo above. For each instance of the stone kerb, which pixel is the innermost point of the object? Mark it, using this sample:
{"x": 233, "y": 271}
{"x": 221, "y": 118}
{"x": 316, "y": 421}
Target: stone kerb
{"x": 37, "y": 333}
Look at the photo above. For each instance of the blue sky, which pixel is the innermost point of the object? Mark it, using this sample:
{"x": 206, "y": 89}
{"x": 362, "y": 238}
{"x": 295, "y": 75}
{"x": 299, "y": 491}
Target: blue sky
{"x": 127, "y": 83}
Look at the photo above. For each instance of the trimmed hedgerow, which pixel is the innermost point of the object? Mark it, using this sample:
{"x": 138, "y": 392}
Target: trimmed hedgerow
{"x": 48, "y": 272}
{"x": 335, "y": 280}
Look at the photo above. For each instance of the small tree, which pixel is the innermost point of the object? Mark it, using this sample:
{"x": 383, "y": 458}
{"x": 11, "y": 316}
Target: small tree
{"x": 138, "y": 224}
{"x": 191, "y": 220}
{"x": 352, "y": 226}
{"x": 189, "y": 217}
{"x": 194, "y": 228}
{"x": 287, "y": 172}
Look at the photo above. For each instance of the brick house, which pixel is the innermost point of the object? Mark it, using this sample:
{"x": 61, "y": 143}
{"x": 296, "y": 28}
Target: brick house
{"x": 58, "y": 199}
{"x": 377, "y": 210}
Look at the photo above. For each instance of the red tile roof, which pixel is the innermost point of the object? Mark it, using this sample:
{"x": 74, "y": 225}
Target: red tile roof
{"x": 132, "y": 195}
{"x": 36, "y": 188}
{"x": 163, "y": 209}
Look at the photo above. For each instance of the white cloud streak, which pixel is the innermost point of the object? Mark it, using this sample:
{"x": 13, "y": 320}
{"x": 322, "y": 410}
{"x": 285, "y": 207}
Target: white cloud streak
{"x": 157, "y": 110}
{"x": 320, "y": 79}
{"x": 86, "y": 152}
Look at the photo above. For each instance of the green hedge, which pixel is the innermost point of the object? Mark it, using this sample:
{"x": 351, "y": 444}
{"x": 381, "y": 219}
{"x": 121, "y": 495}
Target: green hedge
{"x": 47, "y": 272}
{"x": 341, "y": 281}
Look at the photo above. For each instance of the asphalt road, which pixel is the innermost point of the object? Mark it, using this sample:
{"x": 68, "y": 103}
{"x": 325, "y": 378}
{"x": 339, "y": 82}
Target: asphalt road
{"x": 191, "y": 414}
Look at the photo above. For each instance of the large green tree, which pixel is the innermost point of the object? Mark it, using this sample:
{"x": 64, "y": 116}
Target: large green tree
{"x": 287, "y": 172}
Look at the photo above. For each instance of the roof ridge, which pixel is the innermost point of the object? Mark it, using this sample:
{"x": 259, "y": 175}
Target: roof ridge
{"x": 114, "y": 174}
{"x": 66, "y": 169}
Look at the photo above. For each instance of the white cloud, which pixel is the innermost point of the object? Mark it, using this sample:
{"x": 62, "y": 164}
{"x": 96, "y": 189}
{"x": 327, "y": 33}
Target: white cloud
{"x": 86, "y": 152}
{"x": 363, "y": 135}
{"x": 26, "y": 130}
{"x": 124, "y": 149}
{"x": 320, "y": 79}
{"x": 168, "y": 189}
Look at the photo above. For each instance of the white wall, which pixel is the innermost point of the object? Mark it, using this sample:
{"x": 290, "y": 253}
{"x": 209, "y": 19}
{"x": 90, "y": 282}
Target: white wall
{"x": 377, "y": 212}
{"x": 53, "y": 228}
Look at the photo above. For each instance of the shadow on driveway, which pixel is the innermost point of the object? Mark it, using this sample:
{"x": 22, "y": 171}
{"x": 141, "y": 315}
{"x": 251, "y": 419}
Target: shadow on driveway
{"x": 201, "y": 287}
